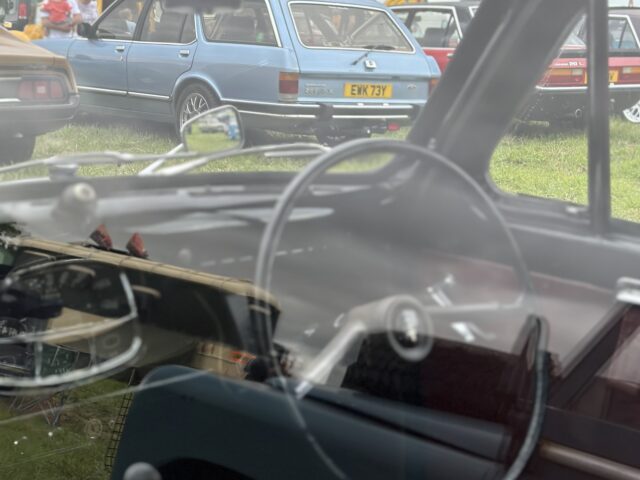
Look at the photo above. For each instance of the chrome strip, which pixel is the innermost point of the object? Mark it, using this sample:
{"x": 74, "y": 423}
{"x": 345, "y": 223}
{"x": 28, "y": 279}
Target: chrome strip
{"x": 587, "y": 463}
{"x": 613, "y": 86}
{"x": 372, "y": 107}
{"x": 107, "y": 91}
{"x": 625, "y": 86}
{"x": 314, "y": 106}
{"x": 163, "y": 43}
{"x": 149, "y": 95}
{"x": 561, "y": 89}
{"x": 9, "y": 100}
{"x": 348, "y": 5}
{"x": 278, "y": 115}
{"x": 338, "y": 117}
{"x": 371, "y": 117}
{"x": 270, "y": 104}
{"x": 11, "y": 79}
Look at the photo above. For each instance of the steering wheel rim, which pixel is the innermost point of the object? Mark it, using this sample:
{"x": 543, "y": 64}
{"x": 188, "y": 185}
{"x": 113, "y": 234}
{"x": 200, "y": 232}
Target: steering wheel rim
{"x": 261, "y": 322}
{"x": 261, "y": 335}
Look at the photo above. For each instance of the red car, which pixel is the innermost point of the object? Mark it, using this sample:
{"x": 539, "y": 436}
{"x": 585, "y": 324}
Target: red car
{"x": 560, "y": 93}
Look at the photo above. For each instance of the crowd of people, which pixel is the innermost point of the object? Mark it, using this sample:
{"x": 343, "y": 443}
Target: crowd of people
{"x": 59, "y": 18}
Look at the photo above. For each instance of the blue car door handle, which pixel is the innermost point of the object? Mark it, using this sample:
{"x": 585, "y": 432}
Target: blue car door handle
{"x": 120, "y": 48}
{"x": 184, "y": 53}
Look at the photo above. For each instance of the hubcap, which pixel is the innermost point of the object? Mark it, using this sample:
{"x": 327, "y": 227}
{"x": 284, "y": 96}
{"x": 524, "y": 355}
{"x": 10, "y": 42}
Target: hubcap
{"x": 632, "y": 113}
{"x": 193, "y": 105}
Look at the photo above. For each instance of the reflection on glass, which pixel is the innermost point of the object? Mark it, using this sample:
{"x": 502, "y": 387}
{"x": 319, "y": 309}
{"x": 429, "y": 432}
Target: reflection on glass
{"x": 217, "y": 130}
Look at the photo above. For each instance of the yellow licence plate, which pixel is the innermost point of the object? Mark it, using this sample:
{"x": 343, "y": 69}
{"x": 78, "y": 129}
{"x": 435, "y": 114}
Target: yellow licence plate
{"x": 368, "y": 90}
{"x": 613, "y": 76}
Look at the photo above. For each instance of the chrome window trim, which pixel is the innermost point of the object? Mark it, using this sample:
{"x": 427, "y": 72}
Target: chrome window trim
{"x": 273, "y": 26}
{"x": 273, "y": 23}
{"x": 347, "y": 5}
{"x": 629, "y": 23}
{"x": 167, "y": 43}
{"x": 423, "y": 7}
{"x": 587, "y": 463}
{"x": 113, "y": 40}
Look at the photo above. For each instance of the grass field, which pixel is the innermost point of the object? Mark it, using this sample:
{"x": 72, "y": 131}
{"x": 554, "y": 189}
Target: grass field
{"x": 535, "y": 161}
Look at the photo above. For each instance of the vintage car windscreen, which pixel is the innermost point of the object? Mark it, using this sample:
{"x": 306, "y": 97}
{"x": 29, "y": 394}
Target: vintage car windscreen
{"x": 333, "y": 26}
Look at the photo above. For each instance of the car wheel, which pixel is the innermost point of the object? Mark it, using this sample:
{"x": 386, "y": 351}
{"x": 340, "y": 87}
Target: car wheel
{"x": 17, "y": 149}
{"x": 632, "y": 114}
{"x": 193, "y": 100}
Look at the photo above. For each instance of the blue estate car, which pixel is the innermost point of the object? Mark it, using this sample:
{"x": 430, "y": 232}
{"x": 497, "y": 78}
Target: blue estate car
{"x": 333, "y": 69}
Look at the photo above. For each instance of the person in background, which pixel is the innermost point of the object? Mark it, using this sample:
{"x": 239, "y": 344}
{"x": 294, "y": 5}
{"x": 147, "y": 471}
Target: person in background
{"x": 50, "y": 14}
{"x": 88, "y": 10}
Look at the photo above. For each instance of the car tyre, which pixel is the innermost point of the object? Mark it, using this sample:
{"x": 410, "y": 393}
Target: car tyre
{"x": 17, "y": 149}
{"x": 192, "y": 101}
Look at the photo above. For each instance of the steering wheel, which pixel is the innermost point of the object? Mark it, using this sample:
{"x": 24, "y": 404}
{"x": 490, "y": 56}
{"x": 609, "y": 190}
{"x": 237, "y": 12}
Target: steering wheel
{"x": 407, "y": 323}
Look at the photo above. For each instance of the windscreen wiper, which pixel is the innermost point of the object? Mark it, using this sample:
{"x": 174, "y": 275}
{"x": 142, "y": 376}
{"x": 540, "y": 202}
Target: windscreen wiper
{"x": 371, "y": 48}
{"x": 68, "y": 164}
{"x": 285, "y": 149}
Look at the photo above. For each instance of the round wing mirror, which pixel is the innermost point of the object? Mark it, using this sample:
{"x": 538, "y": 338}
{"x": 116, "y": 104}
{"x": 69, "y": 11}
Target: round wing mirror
{"x": 85, "y": 30}
{"x": 65, "y": 322}
{"x": 216, "y": 130}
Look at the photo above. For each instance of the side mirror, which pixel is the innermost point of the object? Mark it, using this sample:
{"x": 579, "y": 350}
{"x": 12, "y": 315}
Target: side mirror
{"x": 214, "y": 131}
{"x": 63, "y": 323}
{"x": 86, "y": 30}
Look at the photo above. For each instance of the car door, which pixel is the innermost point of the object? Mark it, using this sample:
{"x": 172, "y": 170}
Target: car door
{"x": 437, "y": 29}
{"x": 241, "y": 50}
{"x": 579, "y": 243}
{"x": 99, "y": 63}
{"x": 165, "y": 50}
{"x": 593, "y": 421}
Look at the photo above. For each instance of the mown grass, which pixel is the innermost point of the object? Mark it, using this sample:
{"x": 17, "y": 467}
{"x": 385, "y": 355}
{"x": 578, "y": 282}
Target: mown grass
{"x": 550, "y": 164}
{"x": 535, "y": 160}
{"x": 75, "y": 448}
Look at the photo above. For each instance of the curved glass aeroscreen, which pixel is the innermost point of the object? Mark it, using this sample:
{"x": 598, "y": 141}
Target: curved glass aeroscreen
{"x": 407, "y": 293}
